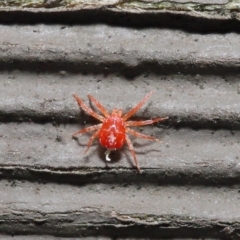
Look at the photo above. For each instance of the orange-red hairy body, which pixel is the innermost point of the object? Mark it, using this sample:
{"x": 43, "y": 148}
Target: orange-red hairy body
{"x": 114, "y": 127}
{"x": 112, "y": 133}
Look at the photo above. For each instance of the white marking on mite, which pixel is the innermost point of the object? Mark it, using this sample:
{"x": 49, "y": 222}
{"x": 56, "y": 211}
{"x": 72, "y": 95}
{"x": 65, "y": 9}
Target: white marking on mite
{"x": 111, "y": 138}
{"x": 107, "y": 154}
{"x": 113, "y": 127}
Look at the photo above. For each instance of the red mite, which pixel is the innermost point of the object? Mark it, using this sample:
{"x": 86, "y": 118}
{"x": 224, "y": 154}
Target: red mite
{"x": 112, "y": 132}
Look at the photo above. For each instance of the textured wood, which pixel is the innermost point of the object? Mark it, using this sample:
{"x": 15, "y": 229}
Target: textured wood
{"x": 209, "y": 9}
{"x": 189, "y": 188}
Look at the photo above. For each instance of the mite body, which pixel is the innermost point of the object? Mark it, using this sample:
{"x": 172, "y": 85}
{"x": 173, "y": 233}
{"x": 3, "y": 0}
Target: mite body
{"x": 113, "y": 130}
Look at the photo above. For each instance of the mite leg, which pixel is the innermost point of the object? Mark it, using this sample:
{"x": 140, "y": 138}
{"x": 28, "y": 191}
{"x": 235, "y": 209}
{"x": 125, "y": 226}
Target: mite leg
{"x": 88, "y": 129}
{"x": 146, "y": 122}
{"x": 101, "y": 108}
{"x": 92, "y": 138}
{"x": 88, "y": 109}
{"x": 137, "y": 134}
{"x": 130, "y": 146}
{"x": 136, "y": 108}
